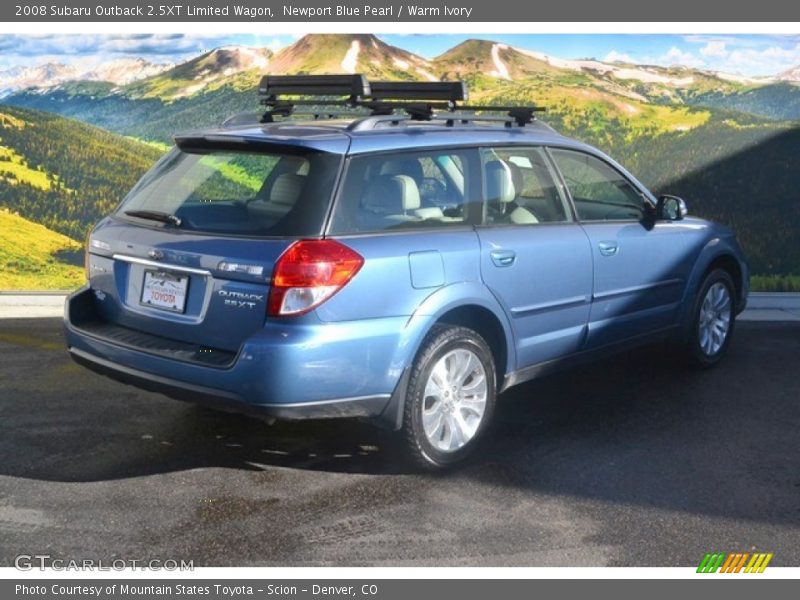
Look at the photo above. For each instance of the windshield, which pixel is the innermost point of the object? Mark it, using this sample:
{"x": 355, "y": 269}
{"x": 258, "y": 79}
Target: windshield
{"x": 232, "y": 192}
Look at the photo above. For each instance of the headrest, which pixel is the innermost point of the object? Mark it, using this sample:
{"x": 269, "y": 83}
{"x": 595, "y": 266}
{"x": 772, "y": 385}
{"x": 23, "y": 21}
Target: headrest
{"x": 516, "y": 177}
{"x": 499, "y": 182}
{"x": 391, "y": 195}
{"x": 286, "y": 188}
{"x": 404, "y": 166}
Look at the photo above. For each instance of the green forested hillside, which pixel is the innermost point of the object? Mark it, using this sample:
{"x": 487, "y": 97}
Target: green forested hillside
{"x": 62, "y": 173}
{"x": 32, "y": 257}
{"x": 746, "y": 177}
{"x": 145, "y": 118}
{"x": 777, "y": 101}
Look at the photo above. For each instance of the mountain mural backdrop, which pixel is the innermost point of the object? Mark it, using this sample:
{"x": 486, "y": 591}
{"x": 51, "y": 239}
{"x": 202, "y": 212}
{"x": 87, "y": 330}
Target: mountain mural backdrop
{"x": 73, "y": 142}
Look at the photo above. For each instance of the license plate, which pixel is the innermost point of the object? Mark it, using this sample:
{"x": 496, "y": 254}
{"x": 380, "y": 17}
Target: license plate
{"x": 164, "y": 290}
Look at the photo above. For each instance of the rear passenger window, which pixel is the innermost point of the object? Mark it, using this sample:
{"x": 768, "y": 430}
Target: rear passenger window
{"x": 520, "y": 188}
{"x": 599, "y": 191}
{"x": 406, "y": 191}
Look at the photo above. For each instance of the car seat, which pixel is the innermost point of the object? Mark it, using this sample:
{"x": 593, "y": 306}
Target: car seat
{"x": 501, "y": 194}
{"x": 390, "y": 199}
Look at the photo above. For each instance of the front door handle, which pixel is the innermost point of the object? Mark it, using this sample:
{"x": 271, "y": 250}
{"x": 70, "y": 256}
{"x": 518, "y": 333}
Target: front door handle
{"x": 608, "y": 248}
{"x": 503, "y": 258}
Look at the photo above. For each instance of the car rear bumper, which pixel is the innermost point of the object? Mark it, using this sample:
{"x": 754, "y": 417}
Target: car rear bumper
{"x": 287, "y": 371}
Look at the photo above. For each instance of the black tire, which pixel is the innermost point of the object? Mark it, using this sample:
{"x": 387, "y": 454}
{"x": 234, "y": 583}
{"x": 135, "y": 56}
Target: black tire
{"x": 696, "y": 356}
{"x": 439, "y": 341}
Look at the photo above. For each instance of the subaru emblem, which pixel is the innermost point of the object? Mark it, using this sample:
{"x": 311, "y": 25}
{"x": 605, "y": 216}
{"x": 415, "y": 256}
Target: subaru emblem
{"x": 156, "y": 254}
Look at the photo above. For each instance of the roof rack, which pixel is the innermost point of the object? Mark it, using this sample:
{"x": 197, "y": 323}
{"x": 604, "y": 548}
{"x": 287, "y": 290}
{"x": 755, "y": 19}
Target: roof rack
{"x": 519, "y": 115}
{"x": 418, "y": 99}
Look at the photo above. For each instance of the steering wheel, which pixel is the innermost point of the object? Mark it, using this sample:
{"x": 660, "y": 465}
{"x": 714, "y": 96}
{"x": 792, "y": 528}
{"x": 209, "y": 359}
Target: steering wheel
{"x": 433, "y": 190}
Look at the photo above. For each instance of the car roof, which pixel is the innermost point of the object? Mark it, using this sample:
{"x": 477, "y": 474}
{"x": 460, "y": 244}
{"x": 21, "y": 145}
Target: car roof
{"x": 378, "y": 134}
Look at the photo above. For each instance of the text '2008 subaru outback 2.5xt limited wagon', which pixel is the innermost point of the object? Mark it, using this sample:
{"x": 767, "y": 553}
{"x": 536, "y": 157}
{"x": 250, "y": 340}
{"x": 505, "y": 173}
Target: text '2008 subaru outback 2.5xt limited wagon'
{"x": 405, "y": 262}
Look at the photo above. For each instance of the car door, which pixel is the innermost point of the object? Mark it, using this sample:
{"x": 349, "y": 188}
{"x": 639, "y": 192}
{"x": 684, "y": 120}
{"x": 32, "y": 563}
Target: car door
{"x": 534, "y": 257}
{"x": 640, "y": 265}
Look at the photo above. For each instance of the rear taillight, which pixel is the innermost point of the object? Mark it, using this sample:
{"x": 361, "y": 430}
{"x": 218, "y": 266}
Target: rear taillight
{"x": 87, "y": 252}
{"x": 308, "y": 273}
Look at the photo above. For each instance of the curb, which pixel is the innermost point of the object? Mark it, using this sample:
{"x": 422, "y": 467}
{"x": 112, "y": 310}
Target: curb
{"x": 774, "y": 300}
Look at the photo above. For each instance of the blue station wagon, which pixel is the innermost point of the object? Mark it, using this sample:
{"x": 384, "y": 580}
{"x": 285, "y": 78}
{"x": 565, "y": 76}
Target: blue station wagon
{"x": 404, "y": 260}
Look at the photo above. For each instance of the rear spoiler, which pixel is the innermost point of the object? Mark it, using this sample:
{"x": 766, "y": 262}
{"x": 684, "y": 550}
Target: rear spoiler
{"x": 200, "y": 143}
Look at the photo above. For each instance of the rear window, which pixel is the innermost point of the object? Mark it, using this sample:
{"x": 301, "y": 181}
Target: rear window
{"x": 241, "y": 193}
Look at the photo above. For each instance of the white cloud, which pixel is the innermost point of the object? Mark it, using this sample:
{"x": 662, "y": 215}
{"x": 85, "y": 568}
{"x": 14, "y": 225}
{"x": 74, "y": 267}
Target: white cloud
{"x": 275, "y": 44}
{"x": 615, "y": 56}
{"x": 771, "y": 59}
{"x": 82, "y": 50}
{"x": 754, "y": 55}
{"x": 676, "y": 56}
{"x": 74, "y": 45}
{"x": 715, "y": 48}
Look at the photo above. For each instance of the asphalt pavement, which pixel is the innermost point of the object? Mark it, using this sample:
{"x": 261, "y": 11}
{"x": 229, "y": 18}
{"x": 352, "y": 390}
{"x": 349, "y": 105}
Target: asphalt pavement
{"x": 633, "y": 461}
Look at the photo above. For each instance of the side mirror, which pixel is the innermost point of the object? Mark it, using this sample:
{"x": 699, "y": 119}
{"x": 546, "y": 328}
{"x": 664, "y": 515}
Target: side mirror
{"x": 671, "y": 208}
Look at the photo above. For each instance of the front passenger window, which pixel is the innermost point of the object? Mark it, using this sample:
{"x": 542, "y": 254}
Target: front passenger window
{"x": 599, "y": 191}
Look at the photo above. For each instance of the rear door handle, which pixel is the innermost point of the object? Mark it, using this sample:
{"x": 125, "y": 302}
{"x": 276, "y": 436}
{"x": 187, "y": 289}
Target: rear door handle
{"x": 608, "y": 248}
{"x": 503, "y": 258}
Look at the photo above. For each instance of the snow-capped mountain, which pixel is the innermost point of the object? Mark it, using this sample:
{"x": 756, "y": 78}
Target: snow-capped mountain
{"x": 125, "y": 70}
{"x": 120, "y": 71}
{"x": 503, "y": 61}
{"x": 204, "y": 72}
{"x": 792, "y": 75}
{"x": 330, "y": 53}
{"x": 361, "y": 53}
{"x": 46, "y": 75}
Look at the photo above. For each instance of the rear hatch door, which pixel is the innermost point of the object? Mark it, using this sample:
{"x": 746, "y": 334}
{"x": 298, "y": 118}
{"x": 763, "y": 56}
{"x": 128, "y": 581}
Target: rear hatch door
{"x": 189, "y": 254}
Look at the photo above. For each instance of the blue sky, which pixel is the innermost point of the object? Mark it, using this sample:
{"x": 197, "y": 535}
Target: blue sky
{"x": 744, "y": 54}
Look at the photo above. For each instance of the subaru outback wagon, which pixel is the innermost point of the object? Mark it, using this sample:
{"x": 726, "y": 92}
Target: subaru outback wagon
{"x": 405, "y": 261}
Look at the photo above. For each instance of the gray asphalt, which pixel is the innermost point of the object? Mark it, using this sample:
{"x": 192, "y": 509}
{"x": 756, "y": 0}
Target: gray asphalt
{"x": 633, "y": 461}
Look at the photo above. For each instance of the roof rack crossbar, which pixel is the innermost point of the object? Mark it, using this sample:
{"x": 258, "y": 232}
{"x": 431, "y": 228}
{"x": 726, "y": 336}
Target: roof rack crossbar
{"x": 463, "y": 118}
{"x": 421, "y": 111}
{"x": 522, "y": 115}
{"x": 286, "y": 108}
{"x": 320, "y": 115}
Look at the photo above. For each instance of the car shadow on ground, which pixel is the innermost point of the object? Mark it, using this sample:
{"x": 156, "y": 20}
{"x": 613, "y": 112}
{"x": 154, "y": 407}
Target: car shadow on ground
{"x": 638, "y": 428}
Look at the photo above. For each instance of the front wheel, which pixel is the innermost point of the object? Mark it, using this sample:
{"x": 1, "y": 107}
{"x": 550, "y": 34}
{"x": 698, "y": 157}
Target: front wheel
{"x": 450, "y": 398}
{"x": 713, "y": 319}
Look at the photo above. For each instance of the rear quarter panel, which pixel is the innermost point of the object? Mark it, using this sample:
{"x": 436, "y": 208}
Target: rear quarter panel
{"x": 400, "y": 278}
{"x": 386, "y": 286}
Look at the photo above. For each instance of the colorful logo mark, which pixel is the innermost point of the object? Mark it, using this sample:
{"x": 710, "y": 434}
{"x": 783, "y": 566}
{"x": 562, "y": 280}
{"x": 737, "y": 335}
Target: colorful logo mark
{"x": 734, "y": 563}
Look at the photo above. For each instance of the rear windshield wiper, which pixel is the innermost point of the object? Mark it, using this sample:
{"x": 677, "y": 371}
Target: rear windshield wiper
{"x": 155, "y": 215}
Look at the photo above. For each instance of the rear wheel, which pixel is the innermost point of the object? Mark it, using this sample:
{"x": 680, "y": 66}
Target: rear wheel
{"x": 450, "y": 398}
{"x": 713, "y": 320}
